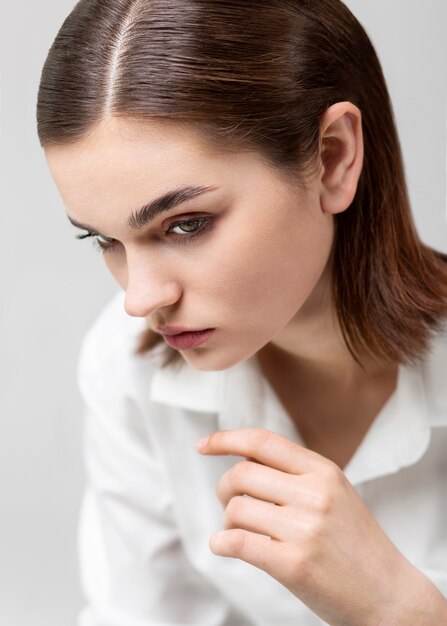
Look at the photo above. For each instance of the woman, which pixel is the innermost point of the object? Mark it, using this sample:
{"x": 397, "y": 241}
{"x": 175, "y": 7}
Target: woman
{"x": 313, "y": 319}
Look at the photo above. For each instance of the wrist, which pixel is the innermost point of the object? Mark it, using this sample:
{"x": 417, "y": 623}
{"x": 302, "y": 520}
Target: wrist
{"x": 419, "y": 604}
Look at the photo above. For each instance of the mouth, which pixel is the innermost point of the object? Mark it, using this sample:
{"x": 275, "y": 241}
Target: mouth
{"x": 189, "y": 339}
{"x": 176, "y": 330}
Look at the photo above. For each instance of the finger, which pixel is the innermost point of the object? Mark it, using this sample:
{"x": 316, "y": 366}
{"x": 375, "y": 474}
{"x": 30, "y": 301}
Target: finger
{"x": 267, "y": 447}
{"x": 262, "y": 552}
{"x": 258, "y": 481}
{"x": 257, "y": 516}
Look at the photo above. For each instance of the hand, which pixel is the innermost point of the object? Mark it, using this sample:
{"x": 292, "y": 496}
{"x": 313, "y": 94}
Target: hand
{"x": 322, "y": 542}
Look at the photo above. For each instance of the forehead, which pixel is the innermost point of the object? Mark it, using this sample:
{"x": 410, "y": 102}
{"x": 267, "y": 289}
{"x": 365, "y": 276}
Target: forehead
{"x": 122, "y": 165}
{"x": 118, "y": 146}
{"x": 126, "y": 163}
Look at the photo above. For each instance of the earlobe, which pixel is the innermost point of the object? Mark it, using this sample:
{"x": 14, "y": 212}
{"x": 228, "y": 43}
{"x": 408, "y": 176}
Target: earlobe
{"x": 341, "y": 156}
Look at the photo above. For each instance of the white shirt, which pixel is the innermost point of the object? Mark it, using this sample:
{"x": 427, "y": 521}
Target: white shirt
{"x": 150, "y": 503}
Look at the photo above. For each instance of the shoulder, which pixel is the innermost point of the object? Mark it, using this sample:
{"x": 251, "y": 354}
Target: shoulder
{"x": 108, "y": 347}
{"x": 434, "y": 369}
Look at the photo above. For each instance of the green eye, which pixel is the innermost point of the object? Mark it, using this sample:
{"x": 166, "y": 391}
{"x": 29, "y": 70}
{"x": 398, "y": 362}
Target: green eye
{"x": 195, "y": 226}
{"x": 204, "y": 223}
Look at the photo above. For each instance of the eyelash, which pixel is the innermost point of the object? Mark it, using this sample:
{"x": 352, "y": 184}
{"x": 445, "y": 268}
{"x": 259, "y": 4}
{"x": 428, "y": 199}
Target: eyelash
{"x": 204, "y": 223}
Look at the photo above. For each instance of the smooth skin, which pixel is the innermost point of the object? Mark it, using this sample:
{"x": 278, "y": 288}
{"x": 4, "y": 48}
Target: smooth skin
{"x": 322, "y": 542}
{"x": 260, "y": 274}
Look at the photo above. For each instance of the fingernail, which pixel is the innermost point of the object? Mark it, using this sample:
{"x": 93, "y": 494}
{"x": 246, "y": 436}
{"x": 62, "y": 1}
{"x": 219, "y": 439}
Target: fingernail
{"x": 201, "y": 443}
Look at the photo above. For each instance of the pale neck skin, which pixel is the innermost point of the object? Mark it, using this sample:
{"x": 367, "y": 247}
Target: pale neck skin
{"x": 312, "y": 345}
{"x": 331, "y": 399}
{"x": 260, "y": 274}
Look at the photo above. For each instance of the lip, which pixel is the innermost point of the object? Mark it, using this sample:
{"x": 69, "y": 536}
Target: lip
{"x": 176, "y": 330}
{"x": 184, "y": 341}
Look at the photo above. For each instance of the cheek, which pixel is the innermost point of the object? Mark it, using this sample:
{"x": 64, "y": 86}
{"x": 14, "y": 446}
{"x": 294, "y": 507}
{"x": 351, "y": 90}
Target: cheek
{"x": 275, "y": 270}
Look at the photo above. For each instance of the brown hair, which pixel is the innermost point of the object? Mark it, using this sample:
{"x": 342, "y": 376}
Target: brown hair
{"x": 258, "y": 76}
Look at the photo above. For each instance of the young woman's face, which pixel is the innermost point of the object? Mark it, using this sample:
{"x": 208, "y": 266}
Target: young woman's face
{"x": 252, "y": 254}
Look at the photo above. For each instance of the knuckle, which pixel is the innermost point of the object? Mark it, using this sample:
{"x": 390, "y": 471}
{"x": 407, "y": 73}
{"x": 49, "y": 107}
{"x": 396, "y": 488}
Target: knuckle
{"x": 220, "y": 490}
{"x": 220, "y": 483}
{"x": 236, "y": 540}
{"x": 235, "y": 508}
{"x": 240, "y": 471}
{"x": 334, "y": 475}
{"x": 322, "y": 502}
{"x": 259, "y": 437}
{"x": 220, "y": 487}
{"x": 329, "y": 488}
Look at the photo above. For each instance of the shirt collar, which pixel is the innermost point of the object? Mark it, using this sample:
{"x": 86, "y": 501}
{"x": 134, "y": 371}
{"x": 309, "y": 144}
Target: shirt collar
{"x": 400, "y": 434}
{"x": 243, "y": 398}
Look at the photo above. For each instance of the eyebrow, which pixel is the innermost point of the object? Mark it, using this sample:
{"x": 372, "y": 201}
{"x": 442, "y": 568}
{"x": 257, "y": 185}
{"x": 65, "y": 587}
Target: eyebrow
{"x": 140, "y": 218}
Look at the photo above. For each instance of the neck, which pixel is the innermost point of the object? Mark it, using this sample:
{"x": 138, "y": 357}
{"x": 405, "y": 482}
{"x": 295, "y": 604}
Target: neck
{"x": 330, "y": 397}
{"x": 312, "y": 350}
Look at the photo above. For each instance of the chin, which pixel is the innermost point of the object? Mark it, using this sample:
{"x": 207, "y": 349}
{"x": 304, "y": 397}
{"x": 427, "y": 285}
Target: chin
{"x": 211, "y": 360}
{"x": 215, "y": 359}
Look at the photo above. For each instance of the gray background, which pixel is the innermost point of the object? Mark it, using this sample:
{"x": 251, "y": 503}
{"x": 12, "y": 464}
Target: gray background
{"x": 54, "y": 285}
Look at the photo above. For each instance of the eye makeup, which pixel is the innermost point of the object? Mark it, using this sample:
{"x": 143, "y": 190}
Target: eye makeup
{"x": 105, "y": 245}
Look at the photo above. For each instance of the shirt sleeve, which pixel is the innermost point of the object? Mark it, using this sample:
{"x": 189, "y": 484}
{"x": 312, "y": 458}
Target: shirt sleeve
{"x": 133, "y": 567}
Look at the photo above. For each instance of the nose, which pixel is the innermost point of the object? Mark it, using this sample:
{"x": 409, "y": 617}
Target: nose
{"x": 149, "y": 289}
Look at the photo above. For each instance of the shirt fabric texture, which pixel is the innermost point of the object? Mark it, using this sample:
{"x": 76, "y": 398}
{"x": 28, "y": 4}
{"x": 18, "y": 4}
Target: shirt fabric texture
{"x": 150, "y": 506}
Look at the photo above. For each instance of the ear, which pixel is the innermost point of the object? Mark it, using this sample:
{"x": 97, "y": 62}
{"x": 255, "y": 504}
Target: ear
{"x": 341, "y": 155}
